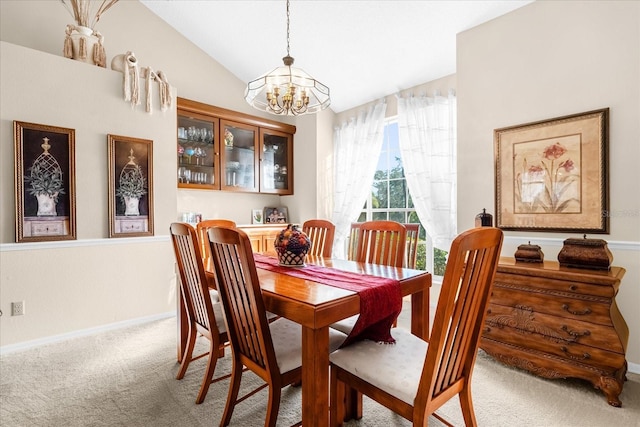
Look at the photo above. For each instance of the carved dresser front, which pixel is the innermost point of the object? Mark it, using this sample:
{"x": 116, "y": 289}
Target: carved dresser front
{"x": 559, "y": 322}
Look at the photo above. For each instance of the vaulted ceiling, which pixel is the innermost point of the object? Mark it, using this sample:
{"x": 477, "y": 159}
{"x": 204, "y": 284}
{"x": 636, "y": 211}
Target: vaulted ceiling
{"x": 362, "y": 50}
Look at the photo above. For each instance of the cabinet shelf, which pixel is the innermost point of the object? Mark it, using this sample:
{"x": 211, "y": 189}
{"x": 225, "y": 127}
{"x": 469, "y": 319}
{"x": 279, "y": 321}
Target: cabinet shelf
{"x": 256, "y": 151}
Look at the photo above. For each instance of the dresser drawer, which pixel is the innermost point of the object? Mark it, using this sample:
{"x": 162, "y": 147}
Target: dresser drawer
{"x": 547, "y": 365}
{"x": 563, "y": 304}
{"x": 566, "y": 350}
{"x": 525, "y": 320}
{"x": 542, "y": 284}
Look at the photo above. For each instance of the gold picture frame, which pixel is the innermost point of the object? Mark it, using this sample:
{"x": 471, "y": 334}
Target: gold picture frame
{"x": 130, "y": 186}
{"x": 45, "y": 182}
{"x": 552, "y": 175}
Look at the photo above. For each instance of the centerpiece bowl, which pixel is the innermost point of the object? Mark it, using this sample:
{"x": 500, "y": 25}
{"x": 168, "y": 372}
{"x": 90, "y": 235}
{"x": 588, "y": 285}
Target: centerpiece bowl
{"x": 292, "y": 246}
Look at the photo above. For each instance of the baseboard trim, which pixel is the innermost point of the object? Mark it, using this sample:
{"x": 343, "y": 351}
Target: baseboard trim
{"x": 21, "y": 346}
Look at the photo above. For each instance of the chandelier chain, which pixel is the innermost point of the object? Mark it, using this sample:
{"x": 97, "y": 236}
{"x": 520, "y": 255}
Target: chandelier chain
{"x": 288, "y": 39}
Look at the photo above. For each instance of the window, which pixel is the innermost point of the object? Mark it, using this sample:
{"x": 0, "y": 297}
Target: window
{"x": 390, "y": 200}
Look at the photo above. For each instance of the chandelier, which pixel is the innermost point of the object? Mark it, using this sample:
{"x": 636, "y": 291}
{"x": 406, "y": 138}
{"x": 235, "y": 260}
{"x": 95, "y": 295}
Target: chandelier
{"x": 287, "y": 90}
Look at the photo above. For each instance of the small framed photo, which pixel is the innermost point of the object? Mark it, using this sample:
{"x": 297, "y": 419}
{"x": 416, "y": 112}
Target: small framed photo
{"x": 45, "y": 182}
{"x": 278, "y": 215}
{"x": 256, "y": 216}
{"x": 130, "y": 186}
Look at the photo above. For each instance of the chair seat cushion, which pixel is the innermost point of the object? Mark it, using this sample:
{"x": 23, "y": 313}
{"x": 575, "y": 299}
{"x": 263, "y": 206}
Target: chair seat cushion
{"x": 394, "y": 368}
{"x": 345, "y": 325}
{"x": 219, "y": 314}
{"x": 287, "y": 343}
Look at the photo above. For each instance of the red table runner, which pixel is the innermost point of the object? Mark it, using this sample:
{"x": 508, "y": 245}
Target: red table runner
{"x": 380, "y": 298}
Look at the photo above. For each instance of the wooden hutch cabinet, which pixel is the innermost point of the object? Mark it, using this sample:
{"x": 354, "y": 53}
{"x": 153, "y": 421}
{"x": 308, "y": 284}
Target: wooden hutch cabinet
{"x": 220, "y": 149}
{"x": 262, "y": 237}
{"x": 559, "y": 322}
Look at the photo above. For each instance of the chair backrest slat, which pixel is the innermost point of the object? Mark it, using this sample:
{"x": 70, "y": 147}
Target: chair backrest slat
{"x": 460, "y": 313}
{"x": 411, "y": 251}
{"x": 352, "y": 249}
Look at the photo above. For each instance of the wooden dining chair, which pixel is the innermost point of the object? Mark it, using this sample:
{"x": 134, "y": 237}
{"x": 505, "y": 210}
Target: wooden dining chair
{"x": 377, "y": 242}
{"x": 273, "y": 351}
{"x": 203, "y": 226}
{"x": 381, "y": 242}
{"x": 204, "y": 316}
{"x": 411, "y": 250}
{"x": 429, "y": 373}
{"x": 321, "y": 233}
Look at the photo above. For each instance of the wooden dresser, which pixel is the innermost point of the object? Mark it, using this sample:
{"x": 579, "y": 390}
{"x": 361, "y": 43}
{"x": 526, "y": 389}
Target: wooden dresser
{"x": 559, "y": 322}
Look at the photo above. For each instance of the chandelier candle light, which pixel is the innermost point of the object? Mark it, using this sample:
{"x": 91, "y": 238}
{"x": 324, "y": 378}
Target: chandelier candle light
{"x": 287, "y": 90}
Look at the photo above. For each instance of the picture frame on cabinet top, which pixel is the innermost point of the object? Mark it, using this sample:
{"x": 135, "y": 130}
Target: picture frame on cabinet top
{"x": 275, "y": 215}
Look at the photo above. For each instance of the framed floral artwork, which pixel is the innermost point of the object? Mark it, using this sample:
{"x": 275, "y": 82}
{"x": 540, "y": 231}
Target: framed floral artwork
{"x": 552, "y": 175}
{"x": 45, "y": 182}
{"x": 130, "y": 186}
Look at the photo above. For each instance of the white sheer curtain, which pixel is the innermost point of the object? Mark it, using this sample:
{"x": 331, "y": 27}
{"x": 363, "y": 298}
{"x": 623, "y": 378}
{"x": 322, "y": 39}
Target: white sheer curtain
{"x": 427, "y": 138}
{"x": 356, "y": 148}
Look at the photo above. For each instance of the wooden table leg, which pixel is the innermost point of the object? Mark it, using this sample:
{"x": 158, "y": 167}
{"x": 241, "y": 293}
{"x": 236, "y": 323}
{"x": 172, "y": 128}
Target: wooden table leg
{"x": 420, "y": 312}
{"x": 315, "y": 376}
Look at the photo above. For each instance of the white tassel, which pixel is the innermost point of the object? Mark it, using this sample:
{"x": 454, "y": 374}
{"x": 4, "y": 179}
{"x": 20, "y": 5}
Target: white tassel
{"x": 131, "y": 88}
{"x": 99, "y": 56}
{"x": 164, "y": 90}
{"x": 150, "y": 75}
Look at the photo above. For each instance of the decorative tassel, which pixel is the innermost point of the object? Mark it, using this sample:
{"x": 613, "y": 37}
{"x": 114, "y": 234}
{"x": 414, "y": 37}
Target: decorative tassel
{"x": 99, "y": 56}
{"x": 82, "y": 49}
{"x": 135, "y": 84}
{"x": 67, "y": 50}
{"x": 150, "y": 75}
{"x": 164, "y": 91}
{"x": 127, "y": 78}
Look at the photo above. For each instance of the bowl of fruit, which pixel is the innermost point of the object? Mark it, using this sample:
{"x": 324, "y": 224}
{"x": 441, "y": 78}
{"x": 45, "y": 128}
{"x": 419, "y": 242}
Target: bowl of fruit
{"x": 292, "y": 246}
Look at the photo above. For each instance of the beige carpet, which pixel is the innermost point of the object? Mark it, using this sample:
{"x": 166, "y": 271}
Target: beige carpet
{"x": 127, "y": 378}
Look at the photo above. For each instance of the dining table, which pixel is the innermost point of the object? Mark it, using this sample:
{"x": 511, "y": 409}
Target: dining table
{"x": 315, "y": 306}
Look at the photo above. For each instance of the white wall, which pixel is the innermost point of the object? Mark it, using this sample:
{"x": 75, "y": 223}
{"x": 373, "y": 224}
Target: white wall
{"x": 545, "y": 60}
{"x": 93, "y": 281}
{"x": 96, "y": 281}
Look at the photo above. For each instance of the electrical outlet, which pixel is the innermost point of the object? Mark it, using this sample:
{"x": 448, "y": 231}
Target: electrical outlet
{"x": 17, "y": 308}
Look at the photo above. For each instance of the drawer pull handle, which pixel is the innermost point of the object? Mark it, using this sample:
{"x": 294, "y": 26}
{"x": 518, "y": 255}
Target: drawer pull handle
{"x": 584, "y": 312}
{"x": 575, "y": 334}
{"x": 573, "y": 287}
{"x": 570, "y": 356}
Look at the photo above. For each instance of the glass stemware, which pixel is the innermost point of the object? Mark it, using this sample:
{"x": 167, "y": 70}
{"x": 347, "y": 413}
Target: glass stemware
{"x": 189, "y": 151}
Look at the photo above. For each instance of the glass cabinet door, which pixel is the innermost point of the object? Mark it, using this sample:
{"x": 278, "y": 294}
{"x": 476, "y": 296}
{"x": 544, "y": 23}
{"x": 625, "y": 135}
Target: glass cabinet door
{"x": 239, "y": 158}
{"x": 197, "y": 152}
{"x": 277, "y": 162}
